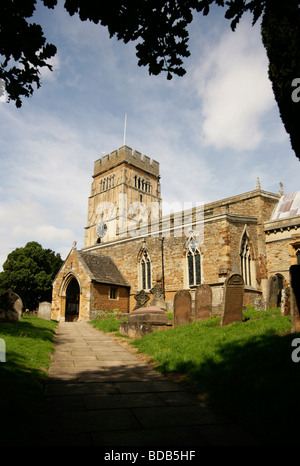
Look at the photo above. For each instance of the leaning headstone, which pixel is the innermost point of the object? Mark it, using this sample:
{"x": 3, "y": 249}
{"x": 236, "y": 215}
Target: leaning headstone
{"x": 158, "y": 300}
{"x": 203, "y": 302}
{"x": 44, "y": 311}
{"x": 182, "y": 307}
{"x": 11, "y": 307}
{"x": 141, "y": 300}
{"x": 272, "y": 292}
{"x": 295, "y": 297}
{"x": 233, "y": 299}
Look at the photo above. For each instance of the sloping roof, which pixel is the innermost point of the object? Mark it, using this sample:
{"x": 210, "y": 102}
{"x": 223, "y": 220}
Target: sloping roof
{"x": 102, "y": 269}
{"x": 288, "y": 206}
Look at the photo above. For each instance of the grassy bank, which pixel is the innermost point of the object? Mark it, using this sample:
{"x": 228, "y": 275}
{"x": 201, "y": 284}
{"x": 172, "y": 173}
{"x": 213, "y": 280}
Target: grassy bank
{"x": 28, "y": 344}
{"x": 244, "y": 369}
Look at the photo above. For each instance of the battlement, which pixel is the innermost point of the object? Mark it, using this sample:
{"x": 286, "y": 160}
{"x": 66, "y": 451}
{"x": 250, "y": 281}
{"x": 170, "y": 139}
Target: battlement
{"x": 126, "y": 154}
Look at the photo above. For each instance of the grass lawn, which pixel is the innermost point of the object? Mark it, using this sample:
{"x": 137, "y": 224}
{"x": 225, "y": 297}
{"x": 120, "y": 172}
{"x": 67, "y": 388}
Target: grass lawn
{"x": 244, "y": 369}
{"x": 28, "y": 344}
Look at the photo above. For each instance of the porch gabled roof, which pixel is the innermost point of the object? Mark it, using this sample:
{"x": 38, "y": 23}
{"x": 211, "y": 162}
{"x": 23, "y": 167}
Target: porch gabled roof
{"x": 102, "y": 269}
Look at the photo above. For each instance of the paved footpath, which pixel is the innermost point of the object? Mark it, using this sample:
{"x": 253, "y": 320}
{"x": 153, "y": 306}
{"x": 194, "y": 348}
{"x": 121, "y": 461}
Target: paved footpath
{"x": 100, "y": 394}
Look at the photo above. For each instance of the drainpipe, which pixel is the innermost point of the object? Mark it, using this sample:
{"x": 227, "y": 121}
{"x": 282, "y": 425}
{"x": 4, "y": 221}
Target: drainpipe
{"x": 162, "y": 265}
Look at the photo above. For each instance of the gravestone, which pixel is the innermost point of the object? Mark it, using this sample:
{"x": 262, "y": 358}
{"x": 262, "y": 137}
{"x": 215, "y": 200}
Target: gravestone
{"x": 285, "y": 301}
{"x": 158, "y": 300}
{"x": 295, "y": 297}
{"x": 233, "y": 299}
{"x": 11, "y": 307}
{"x": 144, "y": 320}
{"x": 203, "y": 302}
{"x": 260, "y": 304}
{"x": 182, "y": 307}
{"x": 141, "y": 299}
{"x": 272, "y": 292}
{"x": 44, "y": 311}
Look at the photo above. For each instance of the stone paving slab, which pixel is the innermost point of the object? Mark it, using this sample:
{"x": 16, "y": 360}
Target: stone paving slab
{"x": 100, "y": 394}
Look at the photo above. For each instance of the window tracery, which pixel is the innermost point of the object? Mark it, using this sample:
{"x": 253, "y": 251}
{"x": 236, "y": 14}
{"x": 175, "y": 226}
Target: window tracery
{"x": 144, "y": 265}
{"x": 193, "y": 258}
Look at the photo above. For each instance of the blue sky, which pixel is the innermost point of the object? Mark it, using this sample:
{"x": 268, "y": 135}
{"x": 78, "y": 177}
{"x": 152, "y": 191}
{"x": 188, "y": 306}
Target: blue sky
{"x": 214, "y": 131}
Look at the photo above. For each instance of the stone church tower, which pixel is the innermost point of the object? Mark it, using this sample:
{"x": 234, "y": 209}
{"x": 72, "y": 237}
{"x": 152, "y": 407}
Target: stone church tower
{"x": 125, "y": 192}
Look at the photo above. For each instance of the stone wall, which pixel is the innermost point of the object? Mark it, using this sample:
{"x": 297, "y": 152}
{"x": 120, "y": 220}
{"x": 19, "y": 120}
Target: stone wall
{"x": 220, "y": 253}
{"x": 282, "y": 239}
{"x": 71, "y": 268}
{"x": 101, "y": 301}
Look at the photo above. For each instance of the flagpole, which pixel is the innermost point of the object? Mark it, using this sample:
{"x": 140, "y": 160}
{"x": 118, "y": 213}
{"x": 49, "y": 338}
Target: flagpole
{"x": 124, "y": 139}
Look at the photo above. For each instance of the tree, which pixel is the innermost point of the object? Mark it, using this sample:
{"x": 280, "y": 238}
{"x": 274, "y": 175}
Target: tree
{"x": 160, "y": 30}
{"x": 29, "y": 272}
{"x": 23, "y": 48}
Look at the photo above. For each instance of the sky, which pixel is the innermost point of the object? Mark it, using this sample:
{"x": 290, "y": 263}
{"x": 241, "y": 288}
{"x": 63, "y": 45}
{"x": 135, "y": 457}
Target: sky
{"x": 213, "y": 131}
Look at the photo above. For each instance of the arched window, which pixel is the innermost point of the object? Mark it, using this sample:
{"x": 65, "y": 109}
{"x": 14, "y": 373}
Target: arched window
{"x": 298, "y": 256}
{"x": 145, "y": 280}
{"x": 245, "y": 254}
{"x": 193, "y": 263}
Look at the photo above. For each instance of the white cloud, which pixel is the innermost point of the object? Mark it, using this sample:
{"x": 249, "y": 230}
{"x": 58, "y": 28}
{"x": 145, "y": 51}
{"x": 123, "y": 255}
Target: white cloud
{"x": 236, "y": 94}
{"x": 48, "y": 147}
{"x": 48, "y": 75}
{"x": 26, "y": 220}
{"x": 44, "y": 233}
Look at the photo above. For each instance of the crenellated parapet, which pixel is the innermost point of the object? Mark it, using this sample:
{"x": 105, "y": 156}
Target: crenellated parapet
{"x": 125, "y": 154}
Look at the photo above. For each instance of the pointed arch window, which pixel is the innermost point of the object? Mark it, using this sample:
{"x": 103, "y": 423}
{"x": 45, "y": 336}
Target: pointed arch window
{"x": 245, "y": 255}
{"x": 145, "y": 271}
{"x": 193, "y": 264}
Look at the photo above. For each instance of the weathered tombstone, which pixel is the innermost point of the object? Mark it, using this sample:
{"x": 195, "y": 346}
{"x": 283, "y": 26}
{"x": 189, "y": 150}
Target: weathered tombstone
{"x": 144, "y": 320}
{"x": 158, "y": 300}
{"x": 11, "y": 307}
{"x": 44, "y": 311}
{"x": 285, "y": 301}
{"x": 141, "y": 299}
{"x": 233, "y": 299}
{"x": 272, "y": 292}
{"x": 182, "y": 307}
{"x": 203, "y": 302}
{"x": 260, "y": 304}
{"x": 295, "y": 297}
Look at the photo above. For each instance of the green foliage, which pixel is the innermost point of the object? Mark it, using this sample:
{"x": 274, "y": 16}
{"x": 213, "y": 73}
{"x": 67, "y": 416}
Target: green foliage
{"x": 107, "y": 321}
{"x": 29, "y": 271}
{"x": 28, "y": 344}
{"x": 110, "y": 324}
{"x": 281, "y": 38}
{"x": 23, "y": 48}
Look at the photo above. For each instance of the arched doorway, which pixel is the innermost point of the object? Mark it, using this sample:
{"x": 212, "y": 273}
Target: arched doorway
{"x": 72, "y": 301}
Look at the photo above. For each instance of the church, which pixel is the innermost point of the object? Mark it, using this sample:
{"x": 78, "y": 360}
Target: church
{"x": 130, "y": 246}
